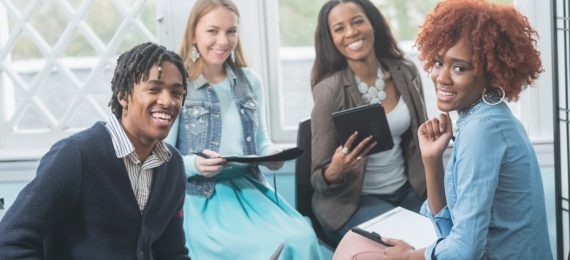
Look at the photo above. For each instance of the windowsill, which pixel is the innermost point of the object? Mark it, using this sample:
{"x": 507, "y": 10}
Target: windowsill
{"x": 21, "y": 154}
{"x": 544, "y": 148}
{"x": 19, "y": 165}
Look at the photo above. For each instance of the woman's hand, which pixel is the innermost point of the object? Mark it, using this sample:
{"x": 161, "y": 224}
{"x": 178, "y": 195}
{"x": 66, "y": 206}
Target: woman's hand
{"x": 434, "y": 135}
{"x": 399, "y": 249}
{"x": 346, "y": 159}
{"x": 209, "y": 167}
{"x": 274, "y": 166}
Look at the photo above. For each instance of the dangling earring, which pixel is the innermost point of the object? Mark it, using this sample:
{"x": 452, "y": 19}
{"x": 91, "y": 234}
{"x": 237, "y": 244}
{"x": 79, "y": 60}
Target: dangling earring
{"x": 493, "y": 95}
{"x": 233, "y": 57}
{"x": 126, "y": 109}
{"x": 195, "y": 54}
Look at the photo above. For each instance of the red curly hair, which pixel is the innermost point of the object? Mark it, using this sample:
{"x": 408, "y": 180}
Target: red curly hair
{"x": 502, "y": 43}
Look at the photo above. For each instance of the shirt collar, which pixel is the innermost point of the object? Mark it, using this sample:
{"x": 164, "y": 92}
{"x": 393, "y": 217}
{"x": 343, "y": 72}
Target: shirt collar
{"x": 123, "y": 145}
{"x": 466, "y": 112}
{"x": 201, "y": 80}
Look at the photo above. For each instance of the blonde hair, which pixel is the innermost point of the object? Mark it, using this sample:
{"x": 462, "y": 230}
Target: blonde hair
{"x": 200, "y": 9}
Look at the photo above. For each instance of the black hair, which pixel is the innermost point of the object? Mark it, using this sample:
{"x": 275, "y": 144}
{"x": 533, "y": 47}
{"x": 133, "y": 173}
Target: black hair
{"x": 133, "y": 66}
{"x": 329, "y": 60}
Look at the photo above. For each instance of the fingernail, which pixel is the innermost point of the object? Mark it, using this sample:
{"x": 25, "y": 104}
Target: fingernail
{"x": 441, "y": 129}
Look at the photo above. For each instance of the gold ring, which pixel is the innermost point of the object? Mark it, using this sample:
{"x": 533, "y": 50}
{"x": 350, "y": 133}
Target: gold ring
{"x": 345, "y": 150}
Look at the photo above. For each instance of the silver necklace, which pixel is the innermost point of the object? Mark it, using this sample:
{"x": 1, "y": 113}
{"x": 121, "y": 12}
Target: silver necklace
{"x": 372, "y": 94}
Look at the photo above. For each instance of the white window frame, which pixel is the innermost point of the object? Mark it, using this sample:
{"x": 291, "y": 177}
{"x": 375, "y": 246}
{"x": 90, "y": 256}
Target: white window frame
{"x": 259, "y": 33}
{"x": 534, "y": 103}
{"x": 32, "y": 144}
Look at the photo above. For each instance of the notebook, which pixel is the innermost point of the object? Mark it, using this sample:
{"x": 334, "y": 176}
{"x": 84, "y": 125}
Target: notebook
{"x": 400, "y": 223}
{"x": 367, "y": 120}
{"x": 285, "y": 155}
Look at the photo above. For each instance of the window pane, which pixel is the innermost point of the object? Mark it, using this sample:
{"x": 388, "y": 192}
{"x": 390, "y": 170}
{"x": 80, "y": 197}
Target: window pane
{"x": 297, "y": 25}
{"x": 56, "y": 73}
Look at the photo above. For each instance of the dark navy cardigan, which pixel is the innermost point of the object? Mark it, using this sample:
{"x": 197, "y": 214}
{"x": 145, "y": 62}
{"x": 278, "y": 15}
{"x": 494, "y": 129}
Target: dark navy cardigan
{"x": 81, "y": 205}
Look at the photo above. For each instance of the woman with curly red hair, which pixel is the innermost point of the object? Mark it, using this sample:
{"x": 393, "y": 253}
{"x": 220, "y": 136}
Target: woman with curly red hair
{"x": 488, "y": 203}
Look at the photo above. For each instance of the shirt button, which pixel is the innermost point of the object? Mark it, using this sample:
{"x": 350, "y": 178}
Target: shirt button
{"x": 248, "y": 139}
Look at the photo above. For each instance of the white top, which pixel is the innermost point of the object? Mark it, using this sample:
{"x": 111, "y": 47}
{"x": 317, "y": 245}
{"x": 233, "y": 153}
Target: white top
{"x": 385, "y": 171}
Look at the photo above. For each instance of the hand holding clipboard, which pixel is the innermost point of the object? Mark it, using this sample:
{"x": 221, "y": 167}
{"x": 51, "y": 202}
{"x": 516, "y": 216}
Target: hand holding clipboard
{"x": 370, "y": 235}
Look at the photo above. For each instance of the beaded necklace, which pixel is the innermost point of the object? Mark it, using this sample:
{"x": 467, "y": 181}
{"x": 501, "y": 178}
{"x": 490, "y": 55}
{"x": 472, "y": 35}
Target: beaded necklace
{"x": 372, "y": 94}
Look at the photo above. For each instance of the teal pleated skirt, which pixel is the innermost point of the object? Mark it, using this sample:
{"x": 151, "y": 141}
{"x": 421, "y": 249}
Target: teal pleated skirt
{"x": 244, "y": 219}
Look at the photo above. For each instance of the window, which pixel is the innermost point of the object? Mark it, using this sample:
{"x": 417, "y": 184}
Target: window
{"x": 297, "y": 24}
{"x": 57, "y": 59}
{"x": 57, "y": 56}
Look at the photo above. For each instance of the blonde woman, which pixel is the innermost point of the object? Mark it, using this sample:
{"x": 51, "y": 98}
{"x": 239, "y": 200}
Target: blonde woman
{"x": 230, "y": 210}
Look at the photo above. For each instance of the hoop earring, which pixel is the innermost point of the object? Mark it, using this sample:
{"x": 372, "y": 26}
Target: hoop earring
{"x": 493, "y": 96}
{"x": 195, "y": 53}
{"x": 233, "y": 57}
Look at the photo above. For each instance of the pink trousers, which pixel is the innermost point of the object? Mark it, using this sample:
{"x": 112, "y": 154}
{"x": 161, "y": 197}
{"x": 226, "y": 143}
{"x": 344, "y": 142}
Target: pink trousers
{"x": 356, "y": 247}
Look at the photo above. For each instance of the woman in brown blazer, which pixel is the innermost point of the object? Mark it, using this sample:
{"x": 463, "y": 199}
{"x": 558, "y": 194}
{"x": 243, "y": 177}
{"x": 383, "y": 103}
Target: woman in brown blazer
{"x": 357, "y": 63}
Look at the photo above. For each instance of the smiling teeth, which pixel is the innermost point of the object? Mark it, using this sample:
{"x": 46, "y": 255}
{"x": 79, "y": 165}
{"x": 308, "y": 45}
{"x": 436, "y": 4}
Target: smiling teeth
{"x": 162, "y": 116}
{"x": 355, "y": 45}
{"x": 445, "y": 93}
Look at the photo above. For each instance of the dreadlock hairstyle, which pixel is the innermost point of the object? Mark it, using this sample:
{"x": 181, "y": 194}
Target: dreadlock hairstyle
{"x": 133, "y": 67}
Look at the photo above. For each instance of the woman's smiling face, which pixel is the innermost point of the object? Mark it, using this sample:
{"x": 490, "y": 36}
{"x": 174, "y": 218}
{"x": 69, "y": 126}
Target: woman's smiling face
{"x": 217, "y": 36}
{"x": 453, "y": 75}
{"x": 351, "y": 31}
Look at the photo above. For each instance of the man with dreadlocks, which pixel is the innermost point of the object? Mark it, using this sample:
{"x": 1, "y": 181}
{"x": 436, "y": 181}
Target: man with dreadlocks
{"x": 115, "y": 190}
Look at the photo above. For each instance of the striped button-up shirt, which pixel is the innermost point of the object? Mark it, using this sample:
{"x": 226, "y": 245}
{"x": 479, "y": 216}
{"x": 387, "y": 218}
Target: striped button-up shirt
{"x": 140, "y": 174}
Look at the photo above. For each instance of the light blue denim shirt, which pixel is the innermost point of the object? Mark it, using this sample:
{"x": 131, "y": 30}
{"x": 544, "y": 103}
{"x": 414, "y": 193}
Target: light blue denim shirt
{"x": 227, "y": 117}
{"x": 495, "y": 200}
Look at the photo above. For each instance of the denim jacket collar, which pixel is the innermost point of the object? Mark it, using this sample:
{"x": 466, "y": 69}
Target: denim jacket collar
{"x": 201, "y": 81}
{"x": 200, "y": 127}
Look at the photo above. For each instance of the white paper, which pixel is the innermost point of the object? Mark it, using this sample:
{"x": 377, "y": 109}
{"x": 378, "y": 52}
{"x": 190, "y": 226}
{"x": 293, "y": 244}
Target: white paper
{"x": 400, "y": 223}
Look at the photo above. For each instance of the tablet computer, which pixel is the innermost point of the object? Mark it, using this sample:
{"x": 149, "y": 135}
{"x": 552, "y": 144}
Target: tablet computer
{"x": 367, "y": 120}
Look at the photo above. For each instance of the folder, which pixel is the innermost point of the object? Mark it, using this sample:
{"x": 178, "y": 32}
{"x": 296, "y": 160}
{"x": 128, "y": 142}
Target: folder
{"x": 400, "y": 223}
{"x": 367, "y": 120}
{"x": 285, "y": 155}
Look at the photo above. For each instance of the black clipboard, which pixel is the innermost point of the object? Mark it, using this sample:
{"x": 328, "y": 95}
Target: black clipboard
{"x": 285, "y": 155}
{"x": 367, "y": 120}
{"x": 370, "y": 235}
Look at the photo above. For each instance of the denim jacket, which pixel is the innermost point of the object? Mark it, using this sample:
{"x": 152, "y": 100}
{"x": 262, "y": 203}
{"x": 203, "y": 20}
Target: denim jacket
{"x": 493, "y": 188}
{"x": 200, "y": 124}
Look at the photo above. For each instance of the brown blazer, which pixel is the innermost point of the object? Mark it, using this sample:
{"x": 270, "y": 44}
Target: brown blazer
{"x": 334, "y": 204}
